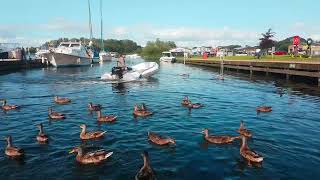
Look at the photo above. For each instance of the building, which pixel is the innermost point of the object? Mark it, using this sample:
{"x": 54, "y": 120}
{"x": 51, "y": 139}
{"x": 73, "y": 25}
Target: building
{"x": 315, "y": 49}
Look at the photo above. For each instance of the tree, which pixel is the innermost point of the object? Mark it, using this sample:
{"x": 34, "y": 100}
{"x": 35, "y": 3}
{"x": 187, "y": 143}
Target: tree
{"x": 266, "y": 41}
{"x": 153, "y": 49}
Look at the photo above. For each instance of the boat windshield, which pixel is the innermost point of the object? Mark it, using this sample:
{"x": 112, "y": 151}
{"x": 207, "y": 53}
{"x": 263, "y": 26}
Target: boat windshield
{"x": 75, "y": 45}
{"x": 166, "y": 54}
{"x": 64, "y": 45}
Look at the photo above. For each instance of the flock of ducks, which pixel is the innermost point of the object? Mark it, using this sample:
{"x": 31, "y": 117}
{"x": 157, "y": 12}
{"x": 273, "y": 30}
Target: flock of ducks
{"x": 146, "y": 172}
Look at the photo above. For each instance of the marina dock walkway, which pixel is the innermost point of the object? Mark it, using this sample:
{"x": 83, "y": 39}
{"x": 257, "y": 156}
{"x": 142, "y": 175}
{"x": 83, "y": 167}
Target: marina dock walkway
{"x": 309, "y": 69}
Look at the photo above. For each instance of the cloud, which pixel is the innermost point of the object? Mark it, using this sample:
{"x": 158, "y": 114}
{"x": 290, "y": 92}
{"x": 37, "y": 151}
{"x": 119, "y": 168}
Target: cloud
{"x": 188, "y": 36}
{"x": 37, "y": 34}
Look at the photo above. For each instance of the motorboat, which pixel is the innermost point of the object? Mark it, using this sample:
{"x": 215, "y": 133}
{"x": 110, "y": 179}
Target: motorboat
{"x": 70, "y": 54}
{"x": 104, "y": 56}
{"x": 167, "y": 57}
{"x": 133, "y": 56}
{"x": 41, "y": 53}
{"x": 136, "y": 72}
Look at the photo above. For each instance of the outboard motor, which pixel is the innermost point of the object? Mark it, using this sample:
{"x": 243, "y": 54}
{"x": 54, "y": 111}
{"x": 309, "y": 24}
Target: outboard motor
{"x": 117, "y": 71}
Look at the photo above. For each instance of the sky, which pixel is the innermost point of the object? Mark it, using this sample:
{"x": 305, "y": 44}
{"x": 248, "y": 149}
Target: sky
{"x": 187, "y": 22}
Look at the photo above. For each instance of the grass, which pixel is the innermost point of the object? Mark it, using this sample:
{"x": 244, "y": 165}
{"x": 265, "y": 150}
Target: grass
{"x": 251, "y": 58}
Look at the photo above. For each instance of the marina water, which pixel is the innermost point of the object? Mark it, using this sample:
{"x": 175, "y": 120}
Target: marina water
{"x": 288, "y": 137}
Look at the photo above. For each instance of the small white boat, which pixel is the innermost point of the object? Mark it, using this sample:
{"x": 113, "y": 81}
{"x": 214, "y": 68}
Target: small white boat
{"x": 104, "y": 56}
{"x": 167, "y": 57}
{"x": 133, "y": 56}
{"x": 142, "y": 70}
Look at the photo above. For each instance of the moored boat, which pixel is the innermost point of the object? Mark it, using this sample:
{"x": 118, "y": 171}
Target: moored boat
{"x": 70, "y": 54}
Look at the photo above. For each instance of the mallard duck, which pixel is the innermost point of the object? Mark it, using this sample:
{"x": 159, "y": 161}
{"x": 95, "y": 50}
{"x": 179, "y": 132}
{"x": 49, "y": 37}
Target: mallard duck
{"x": 185, "y": 101}
{"x": 106, "y": 118}
{"x": 218, "y": 139}
{"x": 55, "y": 115}
{"x": 90, "y": 135}
{"x": 8, "y": 107}
{"x": 248, "y": 154}
{"x": 11, "y": 151}
{"x": 243, "y": 131}
{"x": 94, "y": 107}
{"x": 195, "y": 105}
{"x": 42, "y": 137}
{"x": 61, "y": 100}
{"x": 94, "y": 157}
{"x": 146, "y": 172}
{"x": 264, "y": 109}
{"x": 157, "y": 139}
{"x": 140, "y": 112}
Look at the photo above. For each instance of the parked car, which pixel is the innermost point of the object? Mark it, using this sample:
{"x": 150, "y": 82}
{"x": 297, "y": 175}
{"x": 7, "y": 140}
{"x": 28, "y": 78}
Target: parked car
{"x": 280, "y": 53}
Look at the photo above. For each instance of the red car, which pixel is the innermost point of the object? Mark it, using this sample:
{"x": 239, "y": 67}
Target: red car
{"x": 280, "y": 53}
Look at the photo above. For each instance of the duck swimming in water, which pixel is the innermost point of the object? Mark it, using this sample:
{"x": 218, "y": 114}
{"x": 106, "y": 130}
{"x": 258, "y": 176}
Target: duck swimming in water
{"x": 157, "y": 139}
{"x": 248, "y": 154}
{"x": 195, "y": 105}
{"x": 218, "y": 139}
{"x": 146, "y": 172}
{"x": 90, "y": 135}
{"x": 55, "y": 115}
{"x": 243, "y": 131}
{"x": 12, "y": 151}
{"x": 42, "y": 137}
{"x": 61, "y": 100}
{"x": 94, "y": 107}
{"x": 186, "y": 101}
{"x": 8, "y": 107}
{"x": 106, "y": 118}
{"x": 94, "y": 157}
{"x": 141, "y": 112}
{"x": 264, "y": 109}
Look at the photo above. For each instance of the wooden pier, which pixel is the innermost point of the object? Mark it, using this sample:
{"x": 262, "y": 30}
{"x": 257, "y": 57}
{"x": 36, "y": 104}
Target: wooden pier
{"x": 310, "y": 69}
{"x": 12, "y": 65}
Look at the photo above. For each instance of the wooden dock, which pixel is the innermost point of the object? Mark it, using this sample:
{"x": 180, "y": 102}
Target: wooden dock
{"x": 308, "y": 69}
{"x": 13, "y": 65}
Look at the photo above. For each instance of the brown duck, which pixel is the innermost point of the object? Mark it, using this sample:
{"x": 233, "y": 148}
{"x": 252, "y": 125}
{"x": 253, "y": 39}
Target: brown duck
{"x": 141, "y": 112}
{"x": 218, "y": 139}
{"x": 248, "y": 154}
{"x": 106, "y": 118}
{"x": 157, "y": 139}
{"x": 94, "y": 107}
{"x": 90, "y": 135}
{"x": 8, "y": 107}
{"x": 195, "y": 105}
{"x": 243, "y": 131}
{"x": 94, "y": 157}
{"x": 186, "y": 101}
{"x": 264, "y": 109}
{"x": 11, "y": 151}
{"x": 55, "y": 115}
{"x": 61, "y": 100}
{"x": 146, "y": 172}
{"x": 42, "y": 137}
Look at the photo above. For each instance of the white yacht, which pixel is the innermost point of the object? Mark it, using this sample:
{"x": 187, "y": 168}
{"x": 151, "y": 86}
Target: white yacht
{"x": 70, "y": 54}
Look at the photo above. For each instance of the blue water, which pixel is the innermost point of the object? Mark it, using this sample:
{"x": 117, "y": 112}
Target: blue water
{"x": 288, "y": 137}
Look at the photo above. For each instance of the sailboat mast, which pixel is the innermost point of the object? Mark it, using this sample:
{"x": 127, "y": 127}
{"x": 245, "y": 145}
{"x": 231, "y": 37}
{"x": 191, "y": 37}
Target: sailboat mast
{"x": 90, "y": 23}
{"x": 102, "y": 45}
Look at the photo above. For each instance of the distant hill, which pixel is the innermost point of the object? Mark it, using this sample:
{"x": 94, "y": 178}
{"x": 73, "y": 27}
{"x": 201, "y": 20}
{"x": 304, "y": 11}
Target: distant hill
{"x": 283, "y": 45}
